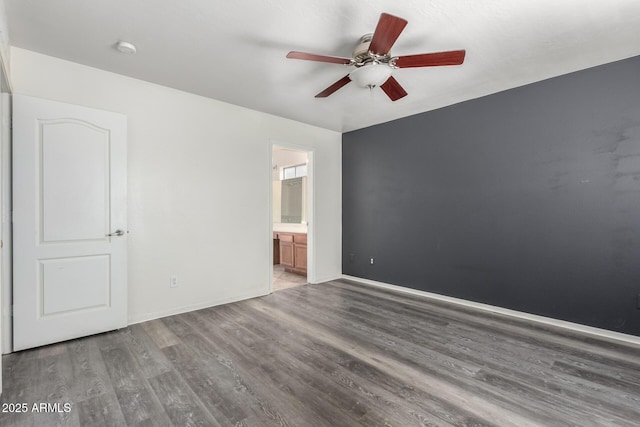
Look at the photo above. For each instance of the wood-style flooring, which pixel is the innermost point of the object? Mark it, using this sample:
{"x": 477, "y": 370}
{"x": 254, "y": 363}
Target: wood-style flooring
{"x": 285, "y": 280}
{"x": 336, "y": 354}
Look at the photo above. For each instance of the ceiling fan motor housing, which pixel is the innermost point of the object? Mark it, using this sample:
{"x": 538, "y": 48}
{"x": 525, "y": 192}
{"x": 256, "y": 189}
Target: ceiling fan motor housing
{"x": 363, "y": 56}
{"x": 361, "y": 52}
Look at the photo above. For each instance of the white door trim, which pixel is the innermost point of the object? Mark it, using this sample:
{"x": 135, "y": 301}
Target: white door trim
{"x": 5, "y": 214}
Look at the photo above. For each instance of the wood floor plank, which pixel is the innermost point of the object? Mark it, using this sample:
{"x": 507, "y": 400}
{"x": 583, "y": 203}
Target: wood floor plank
{"x": 151, "y": 360}
{"x": 505, "y": 398}
{"x": 140, "y": 406}
{"x": 180, "y": 403}
{"x": 431, "y": 364}
{"x": 261, "y": 395}
{"x": 336, "y": 354}
{"x": 89, "y": 374}
{"x": 498, "y": 365}
{"x": 158, "y": 332}
{"x": 225, "y": 378}
{"x": 342, "y": 339}
{"x": 547, "y": 398}
{"x": 51, "y": 350}
{"x": 335, "y": 403}
{"x": 101, "y": 410}
{"x": 37, "y": 380}
{"x": 547, "y": 336}
{"x": 543, "y": 346}
{"x": 379, "y": 391}
{"x": 138, "y": 402}
{"x": 205, "y": 383}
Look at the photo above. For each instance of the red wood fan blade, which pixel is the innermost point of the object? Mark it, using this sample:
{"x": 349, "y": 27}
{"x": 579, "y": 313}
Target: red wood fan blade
{"x": 387, "y": 31}
{"x": 319, "y": 58}
{"x": 454, "y": 57}
{"x": 334, "y": 87}
{"x": 393, "y": 89}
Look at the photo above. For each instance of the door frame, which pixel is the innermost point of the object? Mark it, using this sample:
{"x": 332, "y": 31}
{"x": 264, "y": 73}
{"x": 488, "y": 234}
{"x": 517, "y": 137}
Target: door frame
{"x": 5, "y": 179}
{"x": 7, "y": 230}
{"x": 6, "y": 281}
{"x": 311, "y": 258}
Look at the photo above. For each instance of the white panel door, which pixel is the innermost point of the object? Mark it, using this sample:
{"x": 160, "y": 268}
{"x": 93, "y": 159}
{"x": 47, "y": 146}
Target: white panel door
{"x": 69, "y": 221}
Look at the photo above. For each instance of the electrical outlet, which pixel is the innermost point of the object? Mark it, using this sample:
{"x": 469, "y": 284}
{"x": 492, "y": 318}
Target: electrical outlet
{"x": 371, "y": 261}
{"x": 173, "y": 282}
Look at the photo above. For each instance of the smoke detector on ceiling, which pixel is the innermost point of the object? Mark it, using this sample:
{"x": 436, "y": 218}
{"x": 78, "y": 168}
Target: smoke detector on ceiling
{"x": 126, "y": 47}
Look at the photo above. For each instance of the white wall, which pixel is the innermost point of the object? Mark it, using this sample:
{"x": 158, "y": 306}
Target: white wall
{"x": 199, "y": 176}
{"x": 4, "y": 36}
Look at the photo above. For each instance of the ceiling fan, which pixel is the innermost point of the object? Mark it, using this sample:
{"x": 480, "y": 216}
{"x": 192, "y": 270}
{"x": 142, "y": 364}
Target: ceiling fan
{"x": 374, "y": 64}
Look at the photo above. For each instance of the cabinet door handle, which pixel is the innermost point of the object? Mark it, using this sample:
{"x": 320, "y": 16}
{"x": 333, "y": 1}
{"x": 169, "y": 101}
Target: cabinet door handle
{"x": 116, "y": 233}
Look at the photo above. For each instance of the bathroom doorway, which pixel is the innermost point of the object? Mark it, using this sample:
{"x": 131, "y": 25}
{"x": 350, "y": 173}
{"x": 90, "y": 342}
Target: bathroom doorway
{"x": 291, "y": 212}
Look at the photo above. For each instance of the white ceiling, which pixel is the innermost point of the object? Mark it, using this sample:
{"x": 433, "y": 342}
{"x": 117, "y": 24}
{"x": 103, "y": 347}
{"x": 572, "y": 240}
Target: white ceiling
{"x": 234, "y": 51}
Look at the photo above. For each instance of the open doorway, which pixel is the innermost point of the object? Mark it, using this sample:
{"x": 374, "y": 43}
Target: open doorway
{"x": 291, "y": 201}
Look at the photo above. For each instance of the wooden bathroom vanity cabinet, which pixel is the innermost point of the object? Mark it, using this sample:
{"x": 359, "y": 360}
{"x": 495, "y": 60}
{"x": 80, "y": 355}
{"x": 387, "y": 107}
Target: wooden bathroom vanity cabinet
{"x": 290, "y": 250}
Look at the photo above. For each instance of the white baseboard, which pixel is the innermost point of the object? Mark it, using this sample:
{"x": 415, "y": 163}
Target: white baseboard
{"x": 139, "y": 318}
{"x": 576, "y": 327}
{"x": 326, "y": 279}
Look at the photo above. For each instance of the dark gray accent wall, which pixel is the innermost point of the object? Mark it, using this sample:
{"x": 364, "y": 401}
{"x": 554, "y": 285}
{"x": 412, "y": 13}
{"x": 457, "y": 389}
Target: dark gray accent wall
{"x": 527, "y": 199}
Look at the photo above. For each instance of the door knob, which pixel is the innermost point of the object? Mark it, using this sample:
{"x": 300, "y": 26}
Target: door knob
{"x": 116, "y": 233}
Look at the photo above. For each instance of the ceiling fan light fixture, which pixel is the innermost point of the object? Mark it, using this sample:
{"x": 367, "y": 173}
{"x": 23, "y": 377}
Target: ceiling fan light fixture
{"x": 371, "y": 75}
